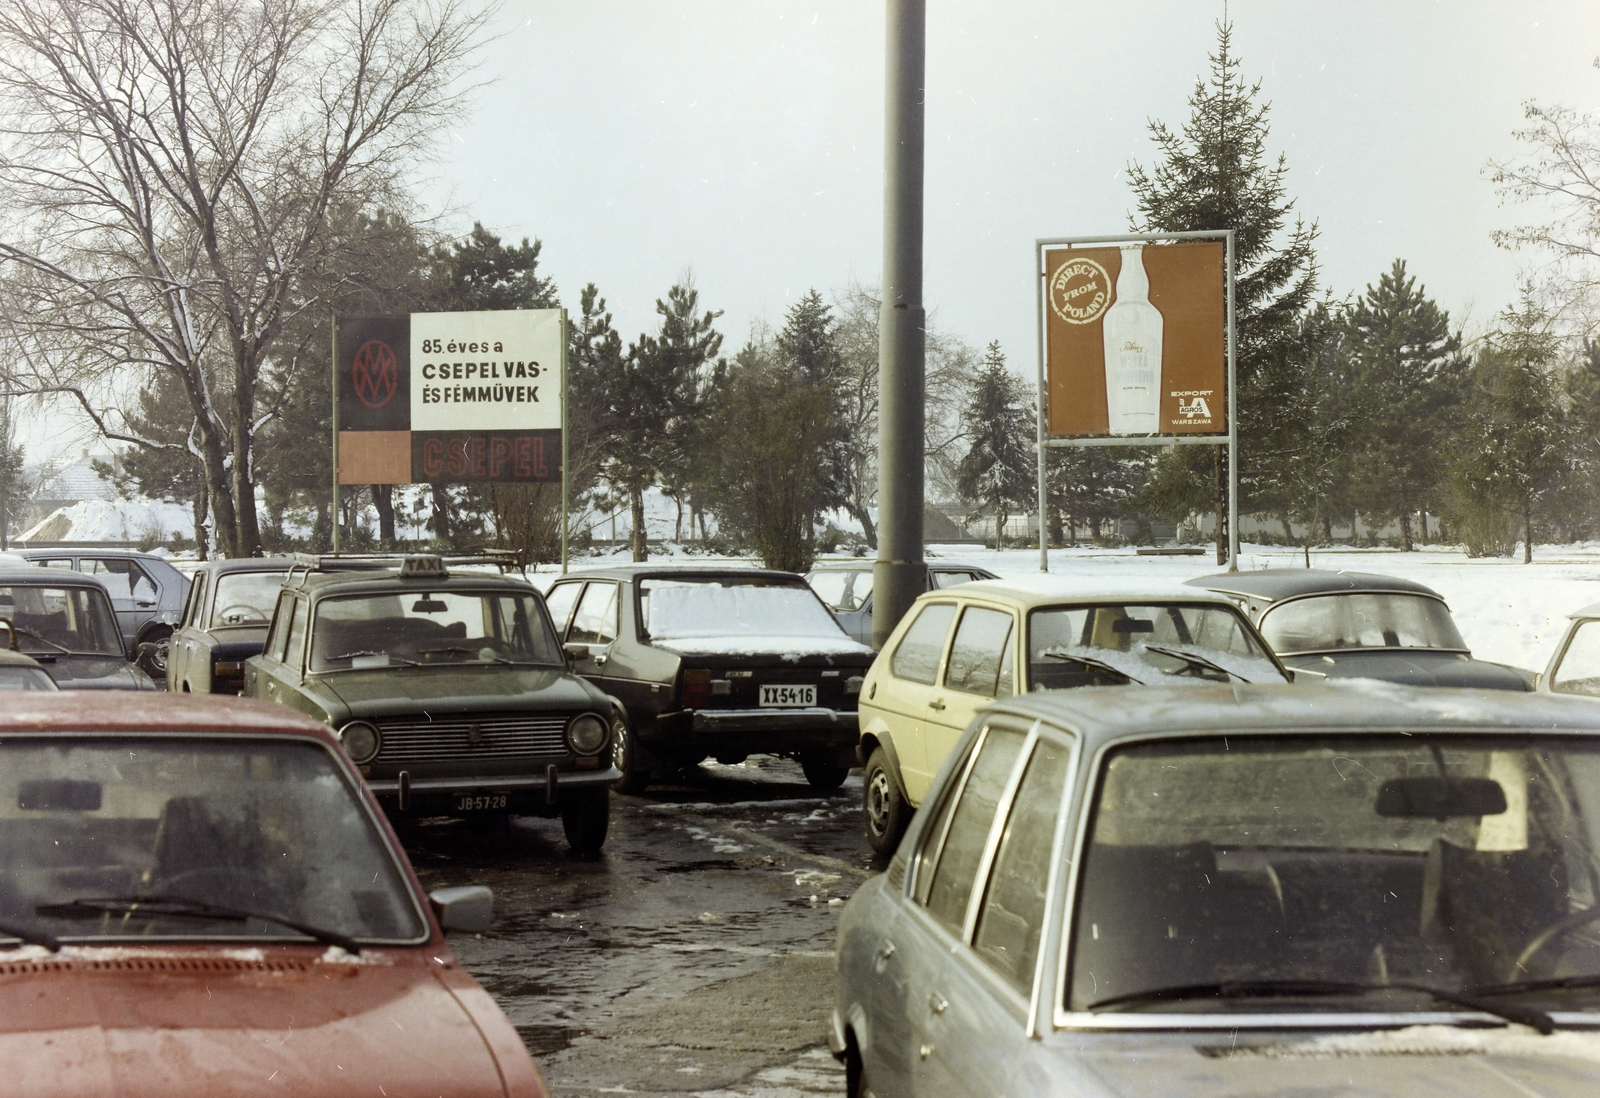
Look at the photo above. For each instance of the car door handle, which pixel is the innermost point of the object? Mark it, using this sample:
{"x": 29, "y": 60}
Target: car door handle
{"x": 936, "y": 703}
{"x": 938, "y": 1003}
{"x": 599, "y": 658}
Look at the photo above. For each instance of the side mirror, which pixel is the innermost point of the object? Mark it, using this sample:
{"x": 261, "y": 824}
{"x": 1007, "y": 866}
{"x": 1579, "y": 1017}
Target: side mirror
{"x": 467, "y": 907}
{"x": 576, "y": 652}
{"x": 11, "y": 634}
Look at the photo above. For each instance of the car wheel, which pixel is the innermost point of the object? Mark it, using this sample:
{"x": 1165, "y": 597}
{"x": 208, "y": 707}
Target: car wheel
{"x": 625, "y": 757}
{"x": 585, "y": 818}
{"x": 823, "y": 773}
{"x": 153, "y": 660}
{"x": 883, "y": 804}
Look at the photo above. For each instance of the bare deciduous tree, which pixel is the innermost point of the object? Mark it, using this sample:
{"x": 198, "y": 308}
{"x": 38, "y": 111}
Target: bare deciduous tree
{"x": 1560, "y": 173}
{"x": 168, "y": 168}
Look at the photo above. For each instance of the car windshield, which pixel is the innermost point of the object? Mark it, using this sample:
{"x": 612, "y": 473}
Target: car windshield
{"x": 1454, "y": 861}
{"x": 1088, "y": 645}
{"x": 1327, "y": 623}
{"x": 1579, "y": 669}
{"x": 245, "y": 598}
{"x": 57, "y": 620}
{"x": 841, "y": 588}
{"x": 729, "y": 607}
{"x": 24, "y": 678}
{"x": 415, "y": 627}
{"x": 272, "y": 827}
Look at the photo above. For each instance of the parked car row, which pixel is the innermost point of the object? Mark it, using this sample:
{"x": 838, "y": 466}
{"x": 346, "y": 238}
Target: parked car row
{"x": 1238, "y": 834}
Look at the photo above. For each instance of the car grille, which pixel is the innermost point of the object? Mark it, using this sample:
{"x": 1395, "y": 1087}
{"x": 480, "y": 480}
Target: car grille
{"x": 500, "y": 736}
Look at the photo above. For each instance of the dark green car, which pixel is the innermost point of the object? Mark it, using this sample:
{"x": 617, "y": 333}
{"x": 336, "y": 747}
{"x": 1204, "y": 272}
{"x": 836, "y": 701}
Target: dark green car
{"x": 449, "y": 691}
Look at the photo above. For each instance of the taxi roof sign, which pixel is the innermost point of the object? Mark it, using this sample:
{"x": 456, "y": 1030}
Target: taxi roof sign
{"x": 424, "y": 566}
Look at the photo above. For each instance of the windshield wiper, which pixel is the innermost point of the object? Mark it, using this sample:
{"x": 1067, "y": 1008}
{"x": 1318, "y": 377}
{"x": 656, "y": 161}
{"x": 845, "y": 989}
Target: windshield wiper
{"x": 39, "y": 636}
{"x": 1554, "y": 983}
{"x": 30, "y": 934}
{"x": 180, "y": 907}
{"x": 1092, "y": 664}
{"x": 1192, "y": 659}
{"x": 463, "y": 650}
{"x": 369, "y": 652}
{"x": 1246, "y": 989}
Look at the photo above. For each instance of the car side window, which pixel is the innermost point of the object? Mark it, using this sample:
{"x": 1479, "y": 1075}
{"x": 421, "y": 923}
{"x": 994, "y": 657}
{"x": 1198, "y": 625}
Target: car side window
{"x": 560, "y": 600}
{"x": 1011, "y": 918}
{"x": 294, "y": 654}
{"x": 955, "y": 864}
{"x": 595, "y": 621}
{"x": 280, "y": 627}
{"x": 1579, "y": 669}
{"x": 56, "y": 562}
{"x": 950, "y": 579}
{"x": 197, "y": 597}
{"x": 123, "y": 578}
{"x": 981, "y": 651}
{"x": 917, "y": 656}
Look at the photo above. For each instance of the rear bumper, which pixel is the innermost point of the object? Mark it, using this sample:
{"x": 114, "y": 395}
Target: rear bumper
{"x": 815, "y": 719}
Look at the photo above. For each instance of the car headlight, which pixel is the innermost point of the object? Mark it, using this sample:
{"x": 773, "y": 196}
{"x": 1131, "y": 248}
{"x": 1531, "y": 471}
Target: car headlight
{"x": 587, "y": 734}
{"x": 360, "y": 741}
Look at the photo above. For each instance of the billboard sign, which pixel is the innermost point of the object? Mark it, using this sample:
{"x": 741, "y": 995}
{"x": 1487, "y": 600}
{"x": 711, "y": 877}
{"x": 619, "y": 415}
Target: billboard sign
{"x": 1135, "y": 340}
{"x": 450, "y": 397}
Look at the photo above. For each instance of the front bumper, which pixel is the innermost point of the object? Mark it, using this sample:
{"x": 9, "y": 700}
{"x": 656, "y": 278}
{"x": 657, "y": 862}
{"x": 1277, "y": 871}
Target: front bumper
{"x": 777, "y": 720}
{"x": 836, "y": 1039}
{"x": 540, "y": 786}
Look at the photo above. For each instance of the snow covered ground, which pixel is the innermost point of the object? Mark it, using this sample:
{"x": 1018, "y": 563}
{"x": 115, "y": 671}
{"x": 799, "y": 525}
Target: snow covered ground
{"x": 1508, "y": 611}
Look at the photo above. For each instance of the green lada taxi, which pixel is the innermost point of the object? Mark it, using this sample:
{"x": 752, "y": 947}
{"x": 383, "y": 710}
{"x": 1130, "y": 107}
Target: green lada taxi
{"x": 447, "y": 688}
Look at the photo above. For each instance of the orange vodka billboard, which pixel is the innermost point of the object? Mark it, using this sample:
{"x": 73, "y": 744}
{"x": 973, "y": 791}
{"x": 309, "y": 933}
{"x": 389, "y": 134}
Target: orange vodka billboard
{"x": 1136, "y": 340}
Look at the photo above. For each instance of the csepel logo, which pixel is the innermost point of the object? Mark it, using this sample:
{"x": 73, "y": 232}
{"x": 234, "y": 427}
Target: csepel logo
{"x": 1080, "y": 290}
{"x": 374, "y": 373}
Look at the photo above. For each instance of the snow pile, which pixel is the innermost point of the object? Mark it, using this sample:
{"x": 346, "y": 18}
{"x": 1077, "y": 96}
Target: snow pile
{"x": 129, "y": 520}
{"x": 706, "y": 618}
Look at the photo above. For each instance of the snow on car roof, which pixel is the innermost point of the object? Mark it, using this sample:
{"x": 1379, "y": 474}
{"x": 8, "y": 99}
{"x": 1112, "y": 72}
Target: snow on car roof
{"x": 1045, "y": 586}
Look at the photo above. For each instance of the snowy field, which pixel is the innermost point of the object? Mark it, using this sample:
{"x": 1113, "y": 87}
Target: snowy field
{"x": 1508, "y": 611}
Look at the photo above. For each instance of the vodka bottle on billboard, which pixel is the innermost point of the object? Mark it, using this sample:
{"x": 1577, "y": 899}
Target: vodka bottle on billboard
{"x": 1132, "y": 328}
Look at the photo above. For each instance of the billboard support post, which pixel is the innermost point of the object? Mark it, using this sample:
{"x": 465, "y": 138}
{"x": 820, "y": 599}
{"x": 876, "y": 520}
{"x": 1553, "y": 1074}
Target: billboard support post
{"x": 1044, "y": 487}
{"x": 333, "y": 374}
{"x": 1228, "y": 438}
{"x": 565, "y": 447}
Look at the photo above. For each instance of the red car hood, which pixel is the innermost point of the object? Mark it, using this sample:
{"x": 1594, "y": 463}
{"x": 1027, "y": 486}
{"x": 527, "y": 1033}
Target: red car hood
{"x": 129, "y": 1022}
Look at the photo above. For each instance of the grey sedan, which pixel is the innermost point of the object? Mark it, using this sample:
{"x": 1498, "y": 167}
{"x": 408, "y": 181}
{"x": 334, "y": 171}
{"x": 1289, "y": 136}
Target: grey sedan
{"x": 1243, "y": 889}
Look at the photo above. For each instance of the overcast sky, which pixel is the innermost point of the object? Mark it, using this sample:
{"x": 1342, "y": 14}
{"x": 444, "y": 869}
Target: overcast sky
{"x": 744, "y": 140}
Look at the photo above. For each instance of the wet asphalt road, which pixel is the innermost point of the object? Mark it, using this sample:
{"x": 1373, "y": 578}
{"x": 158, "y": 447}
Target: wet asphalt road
{"x": 694, "y": 956}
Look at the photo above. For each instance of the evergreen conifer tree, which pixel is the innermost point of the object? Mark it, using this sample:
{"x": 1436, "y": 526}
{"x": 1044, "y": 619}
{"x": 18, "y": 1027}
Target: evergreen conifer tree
{"x": 998, "y": 469}
{"x": 1215, "y": 174}
{"x": 1407, "y": 372}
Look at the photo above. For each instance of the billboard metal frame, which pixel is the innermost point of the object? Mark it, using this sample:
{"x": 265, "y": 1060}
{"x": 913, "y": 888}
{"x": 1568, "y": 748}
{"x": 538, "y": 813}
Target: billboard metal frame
{"x": 333, "y": 363}
{"x": 1230, "y": 439}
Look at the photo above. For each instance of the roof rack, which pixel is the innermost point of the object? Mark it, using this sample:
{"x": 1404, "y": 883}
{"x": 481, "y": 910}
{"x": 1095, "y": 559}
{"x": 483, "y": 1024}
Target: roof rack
{"x": 306, "y": 563}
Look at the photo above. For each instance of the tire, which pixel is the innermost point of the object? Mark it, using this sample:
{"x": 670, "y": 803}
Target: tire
{"x": 586, "y": 818}
{"x": 883, "y": 804}
{"x": 855, "y": 1075}
{"x": 154, "y": 662}
{"x": 625, "y": 757}
{"x": 823, "y": 773}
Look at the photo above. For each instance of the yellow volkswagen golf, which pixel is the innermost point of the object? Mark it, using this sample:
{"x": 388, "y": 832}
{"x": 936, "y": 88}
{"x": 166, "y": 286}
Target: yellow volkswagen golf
{"x": 960, "y": 648}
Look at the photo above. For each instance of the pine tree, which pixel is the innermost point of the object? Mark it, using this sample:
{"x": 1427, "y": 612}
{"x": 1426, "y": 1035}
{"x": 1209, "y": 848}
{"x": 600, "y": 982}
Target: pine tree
{"x": 1215, "y": 174}
{"x": 1513, "y": 455}
{"x": 1407, "y": 373}
{"x": 998, "y": 469}
{"x": 654, "y": 399}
